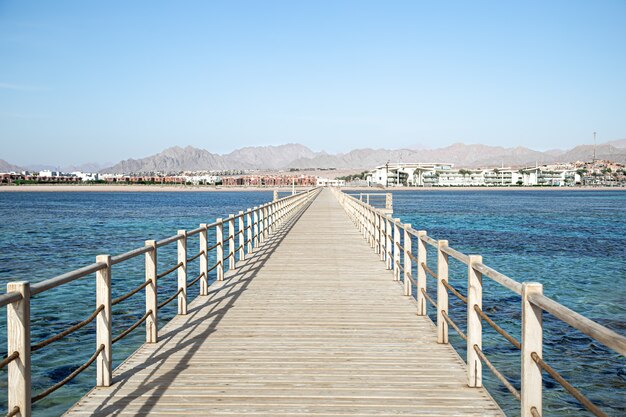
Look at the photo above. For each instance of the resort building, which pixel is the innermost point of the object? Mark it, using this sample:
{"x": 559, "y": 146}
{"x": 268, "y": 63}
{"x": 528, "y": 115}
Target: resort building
{"x": 404, "y": 174}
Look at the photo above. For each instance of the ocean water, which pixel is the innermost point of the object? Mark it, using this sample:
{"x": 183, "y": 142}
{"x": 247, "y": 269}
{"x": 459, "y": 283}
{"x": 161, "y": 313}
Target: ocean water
{"x": 46, "y": 234}
{"x": 571, "y": 241}
{"x": 574, "y": 243}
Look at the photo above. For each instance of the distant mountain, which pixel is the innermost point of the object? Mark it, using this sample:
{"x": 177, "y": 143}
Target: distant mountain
{"x": 88, "y": 167}
{"x": 269, "y": 157}
{"x": 7, "y": 167}
{"x": 298, "y": 156}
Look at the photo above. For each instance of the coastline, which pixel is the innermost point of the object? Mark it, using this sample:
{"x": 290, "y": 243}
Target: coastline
{"x": 134, "y": 188}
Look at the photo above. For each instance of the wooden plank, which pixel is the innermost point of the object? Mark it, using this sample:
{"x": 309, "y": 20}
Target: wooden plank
{"x": 311, "y": 323}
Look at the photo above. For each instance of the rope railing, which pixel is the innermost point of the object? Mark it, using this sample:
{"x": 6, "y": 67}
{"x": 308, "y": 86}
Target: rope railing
{"x": 66, "y": 332}
{"x": 68, "y": 378}
{"x": 453, "y": 325}
{"x": 210, "y": 248}
{"x": 15, "y": 411}
{"x": 498, "y": 374}
{"x": 568, "y": 387}
{"x": 8, "y": 359}
{"x": 454, "y": 291}
{"x": 497, "y": 328}
{"x": 169, "y": 271}
{"x": 129, "y": 294}
{"x": 218, "y": 263}
{"x": 429, "y": 298}
{"x": 429, "y": 271}
{"x": 195, "y": 280}
{"x": 196, "y": 256}
{"x": 367, "y": 217}
{"x": 169, "y": 300}
{"x": 22, "y": 292}
{"x": 132, "y": 327}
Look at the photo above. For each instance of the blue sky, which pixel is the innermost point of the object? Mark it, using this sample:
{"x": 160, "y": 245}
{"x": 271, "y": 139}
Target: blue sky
{"x": 103, "y": 81}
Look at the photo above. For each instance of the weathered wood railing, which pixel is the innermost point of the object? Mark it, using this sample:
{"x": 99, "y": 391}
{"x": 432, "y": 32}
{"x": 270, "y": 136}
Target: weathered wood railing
{"x": 254, "y": 226}
{"x": 384, "y": 235}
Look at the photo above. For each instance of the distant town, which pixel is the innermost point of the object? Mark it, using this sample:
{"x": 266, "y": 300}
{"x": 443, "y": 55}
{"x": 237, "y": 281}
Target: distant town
{"x": 602, "y": 173}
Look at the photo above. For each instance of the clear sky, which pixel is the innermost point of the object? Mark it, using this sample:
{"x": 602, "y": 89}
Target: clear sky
{"x": 84, "y": 81}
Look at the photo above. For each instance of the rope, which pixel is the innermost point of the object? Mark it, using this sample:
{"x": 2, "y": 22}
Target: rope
{"x": 454, "y": 291}
{"x": 64, "y": 333}
{"x": 411, "y": 278}
{"x": 428, "y": 297}
{"x": 164, "y": 303}
{"x": 130, "y": 294}
{"x": 534, "y": 412}
{"x": 214, "y": 266}
{"x": 131, "y": 328}
{"x": 195, "y": 256}
{"x": 497, "y": 328}
{"x": 399, "y": 266}
{"x": 13, "y": 356}
{"x": 68, "y": 378}
{"x": 195, "y": 280}
{"x": 430, "y": 271}
{"x": 14, "y": 412}
{"x": 169, "y": 271}
{"x": 568, "y": 387}
{"x": 497, "y": 373}
{"x": 413, "y": 257}
{"x": 214, "y": 246}
{"x": 453, "y": 324}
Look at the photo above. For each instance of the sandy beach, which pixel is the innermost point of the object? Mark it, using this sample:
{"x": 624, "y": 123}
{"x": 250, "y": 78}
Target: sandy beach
{"x": 132, "y": 188}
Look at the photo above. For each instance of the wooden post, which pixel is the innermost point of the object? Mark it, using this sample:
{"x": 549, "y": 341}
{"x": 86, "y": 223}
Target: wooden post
{"x": 421, "y": 274}
{"x": 442, "y": 292}
{"x": 389, "y": 201}
{"x": 231, "y": 242}
{"x": 275, "y": 195}
{"x": 219, "y": 255}
{"x": 18, "y": 340}
{"x": 151, "y": 293}
{"x": 104, "y": 367}
{"x": 396, "y": 250}
{"x": 182, "y": 272}
{"x": 389, "y": 245}
{"x": 474, "y": 325}
{"x": 532, "y": 341}
{"x": 256, "y": 227}
{"x": 407, "y": 259}
{"x": 242, "y": 239}
{"x": 249, "y": 230}
{"x": 265, "y": 223}
{"x": 381, "y": 236}
{"x": 204, "y": 260}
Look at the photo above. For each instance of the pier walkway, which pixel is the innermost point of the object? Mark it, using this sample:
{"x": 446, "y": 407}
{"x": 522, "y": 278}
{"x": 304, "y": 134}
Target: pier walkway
{"x": 311, "y": 323}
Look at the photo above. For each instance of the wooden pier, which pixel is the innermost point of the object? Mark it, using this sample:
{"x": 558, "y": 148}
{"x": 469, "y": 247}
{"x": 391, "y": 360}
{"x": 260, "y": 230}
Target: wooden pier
{"x": 314, "y": 304}
{"x": 311, "y": 324}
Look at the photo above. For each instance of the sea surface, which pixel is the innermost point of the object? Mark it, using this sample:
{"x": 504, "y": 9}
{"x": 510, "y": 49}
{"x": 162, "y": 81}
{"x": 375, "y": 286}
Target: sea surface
{"x": 571, "y": 241}
{"x": 574, "y": 242}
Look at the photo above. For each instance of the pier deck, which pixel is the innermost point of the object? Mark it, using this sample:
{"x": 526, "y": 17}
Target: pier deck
{"x": 310, "y": 324}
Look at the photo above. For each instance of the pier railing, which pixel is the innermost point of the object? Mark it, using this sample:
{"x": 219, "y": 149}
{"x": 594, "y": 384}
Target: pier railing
{"x": 393, "y": 240}
{"x": 245, "y": 232}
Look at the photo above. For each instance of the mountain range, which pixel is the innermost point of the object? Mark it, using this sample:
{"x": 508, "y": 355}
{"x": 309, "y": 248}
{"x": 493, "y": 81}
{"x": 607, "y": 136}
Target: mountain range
{"x": 298, "y": 156}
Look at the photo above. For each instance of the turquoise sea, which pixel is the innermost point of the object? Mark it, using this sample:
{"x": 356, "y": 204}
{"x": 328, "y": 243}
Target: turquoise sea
{"x": 572, "y": 241}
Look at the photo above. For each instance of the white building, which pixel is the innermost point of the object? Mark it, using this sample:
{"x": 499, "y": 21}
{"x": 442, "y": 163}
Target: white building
{"x": 203, "y": 179}
{"x": 404, "y": 174}
{"x": 86, "y": 176}
{"x": 326, "y": 182}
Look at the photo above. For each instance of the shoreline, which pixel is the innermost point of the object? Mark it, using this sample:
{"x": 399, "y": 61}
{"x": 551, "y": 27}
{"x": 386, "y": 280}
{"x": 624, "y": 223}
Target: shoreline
{"x": 135, "y": 188}
{"x": 132, "y": 188}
